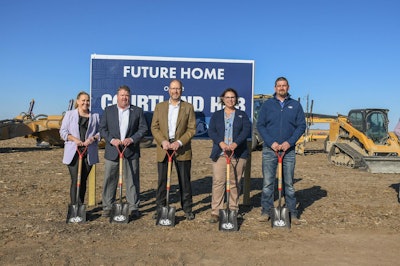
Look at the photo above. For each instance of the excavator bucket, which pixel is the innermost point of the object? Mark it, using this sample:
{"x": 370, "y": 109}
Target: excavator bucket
{"x": 343, "y": 154}
{"x": 382, "y": 165}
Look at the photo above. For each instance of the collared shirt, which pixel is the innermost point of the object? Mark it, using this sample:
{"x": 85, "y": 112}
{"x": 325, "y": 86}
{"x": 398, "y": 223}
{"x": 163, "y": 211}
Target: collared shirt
{"x": 229, "y": 127}
{"x": 123, "y": 116}
{"x": 228, "y": 135}
{"x": 282, "y": 103}
{"x": 173, "y": 112}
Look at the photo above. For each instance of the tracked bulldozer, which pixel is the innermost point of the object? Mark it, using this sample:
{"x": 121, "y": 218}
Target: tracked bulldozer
{"x": 362, "y": 140}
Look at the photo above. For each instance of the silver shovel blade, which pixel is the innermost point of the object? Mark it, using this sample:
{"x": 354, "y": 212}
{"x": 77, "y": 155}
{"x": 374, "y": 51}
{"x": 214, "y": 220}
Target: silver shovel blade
{"x": 76, "y": 213}
{"x": 119, "y": 213}
{"x": 228, "y": 220}
{"x": 166, "y": 216}
{"x": 280, "y": 217}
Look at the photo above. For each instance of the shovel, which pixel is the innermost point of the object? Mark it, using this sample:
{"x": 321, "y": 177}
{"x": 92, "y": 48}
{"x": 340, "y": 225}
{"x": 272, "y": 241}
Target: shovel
{"x": 120, "y": 211}
{"x": 280, "y": 215}
{"x": 77, "y": 211}
{"x": 166, "y": 215}
{"x": 227, "y": 217}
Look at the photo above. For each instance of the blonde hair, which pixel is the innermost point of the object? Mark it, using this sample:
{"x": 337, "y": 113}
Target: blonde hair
{"x": 78, "y": 96}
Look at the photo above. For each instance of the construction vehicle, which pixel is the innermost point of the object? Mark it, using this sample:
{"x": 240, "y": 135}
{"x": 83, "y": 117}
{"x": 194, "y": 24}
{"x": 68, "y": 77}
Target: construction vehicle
{"x": 258, "y": 100}
{"x": 313, "y": 134}
{"x": 44, "y": 128}
{"x": 362, "y": 140}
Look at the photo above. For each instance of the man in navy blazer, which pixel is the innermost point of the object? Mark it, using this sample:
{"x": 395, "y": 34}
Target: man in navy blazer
{"x": 122, "y": 124}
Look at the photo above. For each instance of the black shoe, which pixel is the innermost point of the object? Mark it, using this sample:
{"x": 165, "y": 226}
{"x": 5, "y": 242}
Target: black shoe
{"x": 135, "y": 214}
{"x": 189, "y": 216}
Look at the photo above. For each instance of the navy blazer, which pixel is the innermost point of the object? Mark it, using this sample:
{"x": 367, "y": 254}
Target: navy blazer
{"x": 109, "y": 129}
{"x": 241, "y": 131}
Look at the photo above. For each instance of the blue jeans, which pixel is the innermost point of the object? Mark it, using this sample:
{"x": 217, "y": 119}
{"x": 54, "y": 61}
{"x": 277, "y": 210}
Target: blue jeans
{"x": 269, "y": 166}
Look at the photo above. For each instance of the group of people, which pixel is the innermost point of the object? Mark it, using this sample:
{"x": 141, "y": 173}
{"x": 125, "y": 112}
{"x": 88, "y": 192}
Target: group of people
{"x": 281, "y": 122}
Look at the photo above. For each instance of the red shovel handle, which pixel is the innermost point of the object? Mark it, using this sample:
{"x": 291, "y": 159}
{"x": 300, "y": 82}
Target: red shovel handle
{"x": 170, "y": 154}
{"x": 280, "y": 155}
{"x": 81, "y": 151}
{"x": 121, "y": 149}
{"x": 228, "y": 155}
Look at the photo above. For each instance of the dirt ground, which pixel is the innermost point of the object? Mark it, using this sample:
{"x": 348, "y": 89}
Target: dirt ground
{"x": 349, "y": 217}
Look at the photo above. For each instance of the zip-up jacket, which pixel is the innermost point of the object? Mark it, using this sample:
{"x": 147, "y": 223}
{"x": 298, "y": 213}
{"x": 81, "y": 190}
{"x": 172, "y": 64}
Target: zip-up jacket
{"x": 280, "y": 124}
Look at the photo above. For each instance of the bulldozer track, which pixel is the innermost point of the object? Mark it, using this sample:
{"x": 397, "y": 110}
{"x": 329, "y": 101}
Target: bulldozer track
{"x": 346, "y": 151}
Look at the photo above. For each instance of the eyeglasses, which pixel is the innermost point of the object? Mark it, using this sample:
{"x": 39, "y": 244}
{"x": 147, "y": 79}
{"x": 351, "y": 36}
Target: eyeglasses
{"x": 230, "y": 98}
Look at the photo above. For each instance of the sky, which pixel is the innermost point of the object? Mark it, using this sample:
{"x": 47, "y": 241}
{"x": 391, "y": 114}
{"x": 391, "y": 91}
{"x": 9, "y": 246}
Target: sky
{"x": 342, "y": 54}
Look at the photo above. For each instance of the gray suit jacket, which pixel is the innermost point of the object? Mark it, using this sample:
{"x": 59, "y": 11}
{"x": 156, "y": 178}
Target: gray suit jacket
{"x": 109, "y": 129}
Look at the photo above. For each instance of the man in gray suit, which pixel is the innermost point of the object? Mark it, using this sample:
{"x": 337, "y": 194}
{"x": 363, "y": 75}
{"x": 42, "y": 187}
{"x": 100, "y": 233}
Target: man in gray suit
{"x": 122, "y": 124}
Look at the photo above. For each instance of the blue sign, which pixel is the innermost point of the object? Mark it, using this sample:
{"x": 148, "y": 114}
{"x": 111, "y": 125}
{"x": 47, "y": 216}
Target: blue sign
{"x": 148, "y": 78}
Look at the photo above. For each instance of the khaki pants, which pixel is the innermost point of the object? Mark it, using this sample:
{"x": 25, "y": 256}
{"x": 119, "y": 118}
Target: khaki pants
{"x": 219, "y": 180}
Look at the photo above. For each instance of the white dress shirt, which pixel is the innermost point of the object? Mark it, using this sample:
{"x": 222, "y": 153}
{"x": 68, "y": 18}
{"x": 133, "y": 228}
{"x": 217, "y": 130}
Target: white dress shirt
{"x": 173, "y": 112}
{"x": 123, "y": 116}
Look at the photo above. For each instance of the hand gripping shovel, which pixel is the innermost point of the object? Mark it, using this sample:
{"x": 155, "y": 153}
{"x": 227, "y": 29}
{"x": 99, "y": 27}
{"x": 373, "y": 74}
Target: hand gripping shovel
{"x": 77, "y": 211}
{"x": 280, "y": 215}
{"x": 227, "y": 217}
{"x": 166, "y": 215}
{"x": 120, "y": 211}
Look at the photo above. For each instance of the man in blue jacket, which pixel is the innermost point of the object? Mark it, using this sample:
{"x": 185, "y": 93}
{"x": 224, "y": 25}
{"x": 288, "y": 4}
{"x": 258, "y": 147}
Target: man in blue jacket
{"x": 281, "y": 122}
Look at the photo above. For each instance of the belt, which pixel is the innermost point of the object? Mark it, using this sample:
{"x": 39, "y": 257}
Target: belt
{"x": 171, "y": 140}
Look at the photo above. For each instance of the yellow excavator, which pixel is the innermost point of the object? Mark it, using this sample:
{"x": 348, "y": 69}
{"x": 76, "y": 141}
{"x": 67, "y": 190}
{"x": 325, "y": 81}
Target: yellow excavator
{"x": 44, "y": 128}
{"x": 313, "y": 134}
{"x": 362, "y": 140}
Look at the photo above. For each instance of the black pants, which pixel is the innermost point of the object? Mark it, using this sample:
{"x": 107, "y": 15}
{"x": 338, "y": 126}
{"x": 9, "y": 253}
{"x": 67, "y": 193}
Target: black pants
{"x": 73, "y": 170}
{"x": 183, "y": 169}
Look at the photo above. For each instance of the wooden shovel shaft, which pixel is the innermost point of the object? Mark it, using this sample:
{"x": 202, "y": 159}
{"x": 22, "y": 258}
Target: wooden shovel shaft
{"x": 169, "y": 170}
{"x": 228, "y": 174}
{"x": 280, "y": 176}
{"x": 170, "y": 155}
{"x": 78, "y": 184}
{"x": 280, "y": 155}
{"x": 120, "y": 177}
{"x": 169, "y": 175}
{"x": 79, "y": 175}
{"x": 228, "y": 156}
